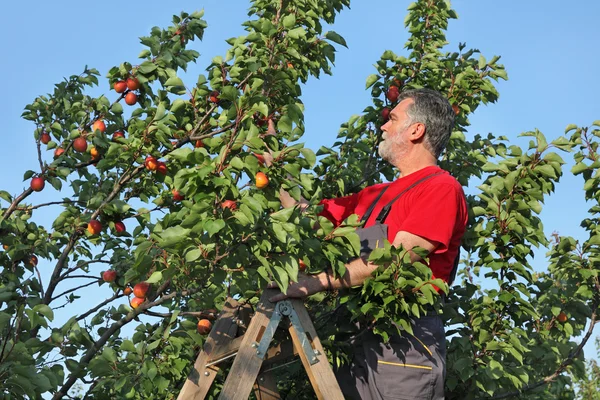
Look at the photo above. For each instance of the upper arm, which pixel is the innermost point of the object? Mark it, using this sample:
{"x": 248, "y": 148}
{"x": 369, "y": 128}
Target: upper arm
{"x": 409, "y": 240}
{"x": 338, "y": 209}
{"x": 435, "y": 215}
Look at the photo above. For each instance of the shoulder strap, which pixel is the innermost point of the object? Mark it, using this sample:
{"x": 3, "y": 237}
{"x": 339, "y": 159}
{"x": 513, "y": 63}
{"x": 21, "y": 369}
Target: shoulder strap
{"x": 386, "y": 210}
{"x": 372, "y": 206}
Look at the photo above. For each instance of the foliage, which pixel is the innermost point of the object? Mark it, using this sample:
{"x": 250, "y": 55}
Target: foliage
{"x": 506, "y": 330}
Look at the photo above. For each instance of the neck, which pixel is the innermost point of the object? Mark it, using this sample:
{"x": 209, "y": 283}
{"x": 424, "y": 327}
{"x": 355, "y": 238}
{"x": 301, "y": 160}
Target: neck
{"x": 414, "y": 162}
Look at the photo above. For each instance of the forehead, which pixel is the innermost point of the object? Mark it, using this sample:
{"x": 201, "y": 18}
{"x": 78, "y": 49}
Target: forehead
{"x": 400, "y": 109}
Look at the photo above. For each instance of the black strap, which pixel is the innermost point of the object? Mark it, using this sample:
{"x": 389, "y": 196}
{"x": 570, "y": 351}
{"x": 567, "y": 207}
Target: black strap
{"x": 372, "y": 206}
{"x": 386, "y": 210}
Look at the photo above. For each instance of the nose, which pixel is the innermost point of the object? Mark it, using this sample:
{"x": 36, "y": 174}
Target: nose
{"x": 384, "y": 126}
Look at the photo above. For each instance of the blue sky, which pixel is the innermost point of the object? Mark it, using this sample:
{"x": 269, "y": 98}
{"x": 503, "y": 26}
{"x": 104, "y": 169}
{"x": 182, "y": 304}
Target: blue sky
{"x": 549, "y": 50}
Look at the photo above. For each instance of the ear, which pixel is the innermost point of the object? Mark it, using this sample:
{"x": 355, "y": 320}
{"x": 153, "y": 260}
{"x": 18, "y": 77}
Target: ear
{"x": 417, "y": 131}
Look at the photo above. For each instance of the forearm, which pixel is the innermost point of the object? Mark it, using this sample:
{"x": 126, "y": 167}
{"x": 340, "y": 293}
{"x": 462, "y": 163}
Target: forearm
{"x": 357, "y": 271}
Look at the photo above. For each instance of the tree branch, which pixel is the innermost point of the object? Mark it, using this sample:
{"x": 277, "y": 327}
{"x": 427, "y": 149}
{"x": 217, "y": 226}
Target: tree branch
{"x": 568, "y": 361}
{"x": 197, "y": 314}
{"x": 87, "y": 357}
{"x": 16, "y": 202}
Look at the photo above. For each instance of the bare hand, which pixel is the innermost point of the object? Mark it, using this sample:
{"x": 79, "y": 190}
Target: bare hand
{"x": 287, "y": 201}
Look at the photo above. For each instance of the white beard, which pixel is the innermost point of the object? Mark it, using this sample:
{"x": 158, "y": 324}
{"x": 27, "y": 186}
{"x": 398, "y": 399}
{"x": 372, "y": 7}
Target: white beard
{"x": 391, "y": 150}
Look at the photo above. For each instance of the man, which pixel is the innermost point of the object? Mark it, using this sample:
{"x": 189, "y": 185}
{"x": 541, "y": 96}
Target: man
{"x": 430, "y": 213}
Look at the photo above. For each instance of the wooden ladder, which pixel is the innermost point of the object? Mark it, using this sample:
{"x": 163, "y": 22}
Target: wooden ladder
{"x": 254, "y": 355}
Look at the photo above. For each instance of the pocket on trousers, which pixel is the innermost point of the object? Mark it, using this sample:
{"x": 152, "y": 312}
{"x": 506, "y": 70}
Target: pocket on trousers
{"x": 404, "y": 373}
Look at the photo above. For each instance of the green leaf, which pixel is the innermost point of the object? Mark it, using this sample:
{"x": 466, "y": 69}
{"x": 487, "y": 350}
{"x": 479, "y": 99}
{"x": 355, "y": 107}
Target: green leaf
{"x": 283, "y": 215}
{"x": 6, "y": 196}
{"x": 284, "y": 124}
{"x": 127, "y": 345}
{"x": 281, "y": 277}
{"x": 117, "y": 108}
{"x": 297, "y": 33}
{"x": 171, "y": 236}
{"x": 109, "y": 354}
{"x": 193, "y": 255}
{"x": 177, "y": 104}
{"x": 4, "y": 320}
{"x": 175, "y": 85}
{"x": 570, "y": 127}
{"x": 160, "y": 112}
{"x": 229, "y": 93}
{"x": 482, "y": 62}
{"x": 371, "y": 79}
{"x": 155, "y": 277}
{"x": 547, "y": 170}
{"x": 289, "y": 21}
{"x": 45, "y": 310}
{"x": 147, "y": 67}
{"x": 144, "y": 53}
{"x": 334, "y": 37}
{"x": 214, "y": 226}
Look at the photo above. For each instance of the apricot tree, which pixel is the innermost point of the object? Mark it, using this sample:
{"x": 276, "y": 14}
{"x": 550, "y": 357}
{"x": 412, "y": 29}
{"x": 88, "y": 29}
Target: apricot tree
{"x": 194, "y": 171}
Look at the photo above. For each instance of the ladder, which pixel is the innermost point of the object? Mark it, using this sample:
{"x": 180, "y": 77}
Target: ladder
{"x": 254, "y": 354}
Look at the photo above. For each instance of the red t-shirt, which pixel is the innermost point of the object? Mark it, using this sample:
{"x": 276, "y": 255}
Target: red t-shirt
{"x": 435, "y": 209}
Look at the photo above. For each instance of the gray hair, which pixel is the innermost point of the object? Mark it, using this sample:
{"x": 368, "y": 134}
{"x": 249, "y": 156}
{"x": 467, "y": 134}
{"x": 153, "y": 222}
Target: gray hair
{"x": 431, "y": 108}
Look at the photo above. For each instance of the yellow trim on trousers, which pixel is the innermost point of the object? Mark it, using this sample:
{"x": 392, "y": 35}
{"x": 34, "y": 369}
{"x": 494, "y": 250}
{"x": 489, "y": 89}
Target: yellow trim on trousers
{"x": 405, "y": 365}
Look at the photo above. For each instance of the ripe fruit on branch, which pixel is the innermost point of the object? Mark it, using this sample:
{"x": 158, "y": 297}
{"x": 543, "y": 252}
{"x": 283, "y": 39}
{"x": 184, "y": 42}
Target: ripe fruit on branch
{"x": 109, "y": 276}
{"x": 58, "y": 152}
{"x": 120, "y": 86}
{"x": 33, "y": 261}
{"x": 176, "y": 195}
{"x": 94, "y": 227}
{"x": 392, "y": 94}
{"x": 94, "y": 153}
{"x": 136, "y": 302}
{"x": 151, "y": 163}
{"x": 37, "y": 184}
{"x": 133, "y": 83}
{"x": 456, "y": 109}
{"x": 127, "y": 291}
{"x": 45, "y": 137}
{"x": 231, "y": 204}
{"x": 260, "y": 120}
{"x": 198, "y": 143}
{"x": 262, "y": 181}
{"x": 204, "y": 326}
{"x": 131, "y": 98}
{"x": 99, "y": 125}
{"x": 119, "y": 226}
{"x": 562, "y": 317}
{"x": 301, "y": 265}
{"x": 162, "y": 168}
{"x": 214, "y": 97}
{"x": 261, "y": 158}
{"x": 80, "y": 144}
{"x": 385, "y": 113}
{"x": 141, "y": 289}
{"x": 118, "y": 134}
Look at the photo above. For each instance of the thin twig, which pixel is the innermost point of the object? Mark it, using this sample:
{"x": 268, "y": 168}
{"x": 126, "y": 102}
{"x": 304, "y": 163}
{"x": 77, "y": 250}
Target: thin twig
{"x": 74, "y": 289}
{"x": 40, "y": 279}
{"x": 79, "y": 266}
{"x": 52, "y": 203}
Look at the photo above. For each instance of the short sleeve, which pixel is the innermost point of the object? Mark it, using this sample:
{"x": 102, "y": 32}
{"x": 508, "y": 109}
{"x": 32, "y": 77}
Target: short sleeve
{"x": 338, "y": 209}
{"x": 434, "y": 213}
